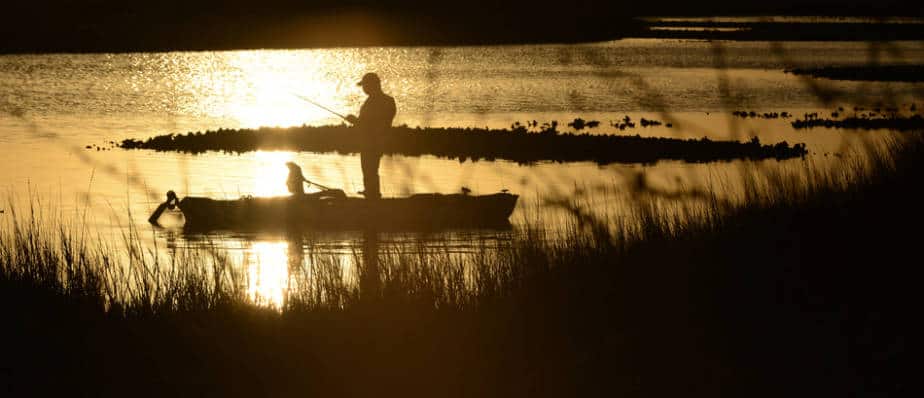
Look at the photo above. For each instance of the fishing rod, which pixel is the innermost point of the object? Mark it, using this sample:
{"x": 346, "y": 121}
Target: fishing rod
{"x": 308, "y": 100}
{"x": 316, "y": 184}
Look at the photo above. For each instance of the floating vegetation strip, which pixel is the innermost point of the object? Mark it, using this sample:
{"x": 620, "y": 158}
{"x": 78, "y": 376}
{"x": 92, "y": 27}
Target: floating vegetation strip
{"x": 880, "y": 73}
{"x": 517, "y": 144}
{"x": 761, "y": 115}
{"x": 915, "y": 122}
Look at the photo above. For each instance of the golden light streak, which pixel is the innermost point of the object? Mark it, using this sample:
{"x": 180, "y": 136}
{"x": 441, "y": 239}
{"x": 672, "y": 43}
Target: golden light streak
{"x": 268, "y": 273}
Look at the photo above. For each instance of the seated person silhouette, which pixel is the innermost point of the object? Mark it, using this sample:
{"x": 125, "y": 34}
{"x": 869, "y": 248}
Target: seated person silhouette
{"x": 295, "y": 180}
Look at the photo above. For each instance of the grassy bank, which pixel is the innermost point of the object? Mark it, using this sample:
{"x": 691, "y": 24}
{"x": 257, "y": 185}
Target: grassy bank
{"x": 517, "y": 144}
{"x": 804, "y": 290}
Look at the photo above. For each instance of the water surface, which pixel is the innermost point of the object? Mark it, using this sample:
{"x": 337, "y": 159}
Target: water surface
{"x": 56, "y": 105}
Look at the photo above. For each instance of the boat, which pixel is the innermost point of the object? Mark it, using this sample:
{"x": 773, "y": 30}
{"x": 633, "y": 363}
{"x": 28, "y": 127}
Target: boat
{"x": 332, "y": 209}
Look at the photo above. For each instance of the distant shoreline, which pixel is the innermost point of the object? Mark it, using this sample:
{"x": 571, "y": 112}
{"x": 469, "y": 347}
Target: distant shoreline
{"x": 223, "y": 34}
{"x": 786, "y": 31}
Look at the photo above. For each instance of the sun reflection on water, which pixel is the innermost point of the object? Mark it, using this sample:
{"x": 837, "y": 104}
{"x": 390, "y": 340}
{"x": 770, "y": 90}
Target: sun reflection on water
{"x": 281, "y": 270}
{"x": 268, "y": 273}
{"x": 262, "y": 88}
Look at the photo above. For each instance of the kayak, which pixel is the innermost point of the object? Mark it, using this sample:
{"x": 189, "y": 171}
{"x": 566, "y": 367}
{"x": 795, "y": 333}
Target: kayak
{"x": 334, "y": 210}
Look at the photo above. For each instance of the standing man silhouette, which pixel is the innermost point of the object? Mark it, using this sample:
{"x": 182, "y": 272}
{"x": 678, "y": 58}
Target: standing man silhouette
{"x": 375, "y": 117}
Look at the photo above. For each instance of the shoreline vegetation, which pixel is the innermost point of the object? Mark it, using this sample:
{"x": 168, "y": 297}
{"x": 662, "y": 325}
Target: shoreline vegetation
{"x": 781, "y": 31}
{"x": 876, "y": 73}
{"x": 911, "y": 123}
{"x": 905, "y": 117}
{"x": 517, "y": 144}
{"x": 802, "y": 289}
{"x": 106, "y": 26}
{"x": 878, "y": 117}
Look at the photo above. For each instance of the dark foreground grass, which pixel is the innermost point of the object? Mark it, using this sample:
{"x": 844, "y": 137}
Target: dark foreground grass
{"x": 799, "y": 292}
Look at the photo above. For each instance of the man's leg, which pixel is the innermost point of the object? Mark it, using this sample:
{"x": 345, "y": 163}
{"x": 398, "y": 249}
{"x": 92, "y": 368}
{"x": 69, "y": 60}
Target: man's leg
{"x": 370, "y": 165}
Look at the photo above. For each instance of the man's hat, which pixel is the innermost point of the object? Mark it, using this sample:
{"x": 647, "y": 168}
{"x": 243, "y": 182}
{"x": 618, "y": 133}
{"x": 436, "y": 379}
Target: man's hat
{"x": 370, "y": 78}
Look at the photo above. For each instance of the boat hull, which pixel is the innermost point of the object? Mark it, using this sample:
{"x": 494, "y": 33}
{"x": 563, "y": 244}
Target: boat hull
{"x": 421, "y": 211}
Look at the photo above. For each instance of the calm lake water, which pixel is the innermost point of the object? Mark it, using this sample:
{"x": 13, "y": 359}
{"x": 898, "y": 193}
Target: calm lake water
{"x": 53, "y": 106}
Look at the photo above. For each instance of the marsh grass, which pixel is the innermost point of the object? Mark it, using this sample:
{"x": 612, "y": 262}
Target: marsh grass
{"x": 799, "y": 287}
